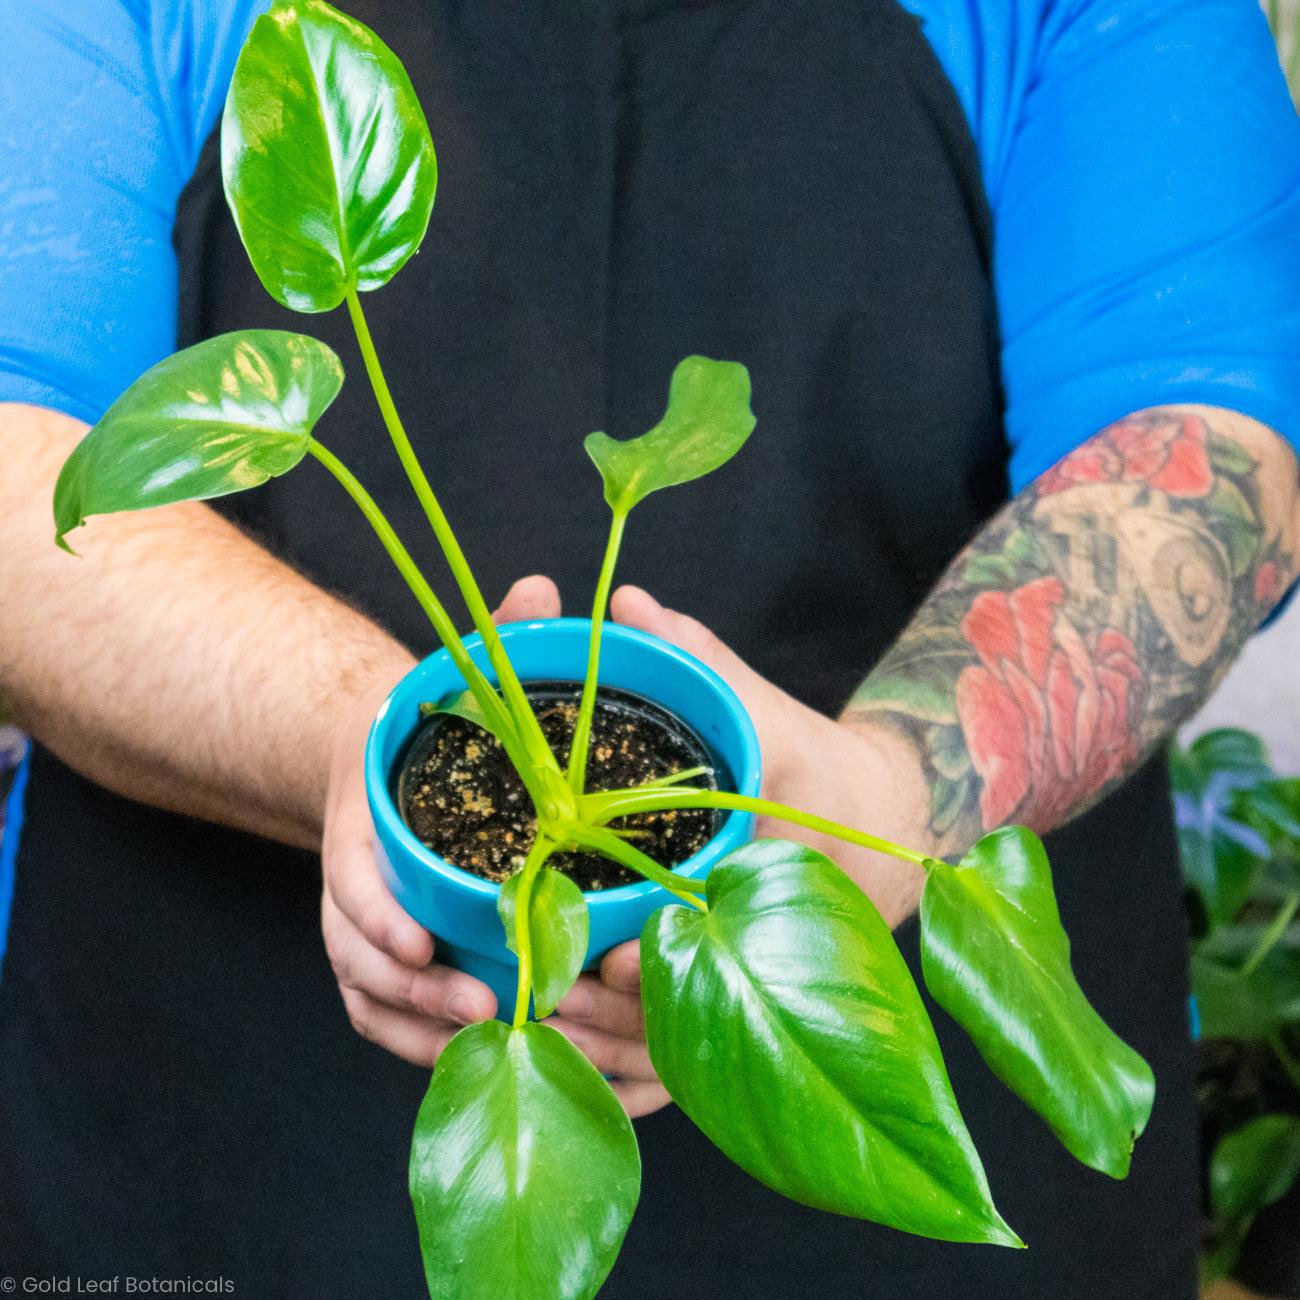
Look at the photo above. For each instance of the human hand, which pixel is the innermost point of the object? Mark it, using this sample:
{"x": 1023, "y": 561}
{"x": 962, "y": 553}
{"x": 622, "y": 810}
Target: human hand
{"x": 858, "y": 775}
{"x": 395, "y": 994}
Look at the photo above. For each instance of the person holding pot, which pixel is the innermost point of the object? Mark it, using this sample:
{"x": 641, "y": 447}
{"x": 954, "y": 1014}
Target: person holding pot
{"x": 1019, "y": 288}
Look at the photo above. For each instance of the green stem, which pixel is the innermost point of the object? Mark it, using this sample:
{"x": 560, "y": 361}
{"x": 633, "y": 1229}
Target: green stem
{"x": 537, "y": 855}
{"x": 511, "y": 687}
{"x": 488, "y": 700}
{"x": 603, "y": 807}
{"x": 605, "y": 842}
{"x": 587, "y": 710}
{"x": 1268, "y": 940}
{"x": 1288, "y": 1062}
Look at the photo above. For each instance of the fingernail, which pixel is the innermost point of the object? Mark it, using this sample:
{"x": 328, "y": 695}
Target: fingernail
{"x": 577, "y": 1003}
{"x": 461, "y": 1009}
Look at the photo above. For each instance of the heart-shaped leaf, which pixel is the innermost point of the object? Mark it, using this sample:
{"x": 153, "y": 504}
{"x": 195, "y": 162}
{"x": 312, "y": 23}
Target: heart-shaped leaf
{"x": 222, "y": 416}
{"x": 524, "y": 1168}
{"x": 785, "y": 1023}
{"x": 328, "y": 165}
{"x": 707, "y": 422}
{"x": 558, "y": 926}
{"x": 997, "y": 959}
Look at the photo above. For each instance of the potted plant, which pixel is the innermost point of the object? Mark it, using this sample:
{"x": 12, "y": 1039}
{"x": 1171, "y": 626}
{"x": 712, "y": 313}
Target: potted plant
{"x": 1239, "y": 833}
{"x": 779, "y": 1013}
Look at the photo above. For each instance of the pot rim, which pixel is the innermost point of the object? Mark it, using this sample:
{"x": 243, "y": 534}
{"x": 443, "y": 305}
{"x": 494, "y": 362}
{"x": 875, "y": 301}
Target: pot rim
{"x": 734, "y": 830}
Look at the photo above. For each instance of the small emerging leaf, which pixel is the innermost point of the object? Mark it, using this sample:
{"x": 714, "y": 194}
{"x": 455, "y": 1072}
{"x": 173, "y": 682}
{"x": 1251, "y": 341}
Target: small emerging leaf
{"x": 222, "y": 416}
{"x": 462, "y": 705}
{"x": 524, "y": 1168}
{"x": 997, "y": 959}
{"x": 707, "y": 422}
{"x": 328, "y": 165}
{"x": 786, "y": 1024}
{"x": 558, "y": 925}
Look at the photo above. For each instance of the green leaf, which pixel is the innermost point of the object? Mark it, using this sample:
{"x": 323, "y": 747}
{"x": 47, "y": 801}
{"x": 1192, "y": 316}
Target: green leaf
{"x": 222, "y": 416}
{"x": 947, "y": 799}
{"x": 1254, "y": 1006}
{"x": 1221, "y": 853}
{"x": 524, "y": 1169}
{"x": 707, "y": 422}
{"x": 1228, "y": 457}
{"x": 931, "y": 701}
{"x": 785, "y": 1023}
{"x": 328, "y": 165}
{"x": 989, "y": 571}
{"x": 1234, "y": 522}
{"x": 1254, "y": 1166}
{"x": 462, "y": 705}
{"x": 997, "y": 959}
{"x": 558, "y": 924}
{"x": 948, "y": 751}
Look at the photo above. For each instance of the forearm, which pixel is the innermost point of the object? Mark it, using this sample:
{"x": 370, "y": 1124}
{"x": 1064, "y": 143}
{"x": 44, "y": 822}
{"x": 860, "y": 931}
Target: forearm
{"x": 1094, "y": 614}
{"x": 174, "y": 661}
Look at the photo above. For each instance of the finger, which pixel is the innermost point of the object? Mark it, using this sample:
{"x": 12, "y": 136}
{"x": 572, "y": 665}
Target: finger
{"x": 436, "y": 991}
{"x": 639, "y": 609}
{"x": 640, "y": 1098}
{"x": 621, "y": 1057}
{"x": 533, "y": 597}
{"x": 356, "y": 888}
{"x": 591, "y": 1002}
{"x": 621, "y": 967}
{"x": 413, "y": 1037}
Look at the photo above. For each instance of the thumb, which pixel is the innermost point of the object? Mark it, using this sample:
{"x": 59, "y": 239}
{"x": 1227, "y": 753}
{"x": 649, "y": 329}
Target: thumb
{"x": 636, "y": 608}
{"x": 533, "y": 597}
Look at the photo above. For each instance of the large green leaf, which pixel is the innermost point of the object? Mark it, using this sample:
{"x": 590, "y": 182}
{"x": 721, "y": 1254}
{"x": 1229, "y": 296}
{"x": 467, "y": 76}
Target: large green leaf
{"x": 997, "y": 959}
{"x": 785, "y": 1023}
{"x": 558, "y": 926}
{"x": 222, "y": 416}
{"x": 1254, "y": 1166}
{"x": 524, "y": 1169}
{"x": 707, "y": 422}
{"x": 328, "y": 165}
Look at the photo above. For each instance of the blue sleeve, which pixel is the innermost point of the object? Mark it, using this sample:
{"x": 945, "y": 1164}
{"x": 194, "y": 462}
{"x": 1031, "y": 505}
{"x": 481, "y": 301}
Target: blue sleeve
{"x": 1147, "y": 223}
{"x": 104, "y": 108}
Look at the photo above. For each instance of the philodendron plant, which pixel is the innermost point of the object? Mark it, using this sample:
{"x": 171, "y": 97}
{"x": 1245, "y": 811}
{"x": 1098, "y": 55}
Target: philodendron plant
{"x": 779, "y": 1013}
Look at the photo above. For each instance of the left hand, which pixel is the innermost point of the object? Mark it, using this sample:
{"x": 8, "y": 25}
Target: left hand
{"x": 859, "y": 775}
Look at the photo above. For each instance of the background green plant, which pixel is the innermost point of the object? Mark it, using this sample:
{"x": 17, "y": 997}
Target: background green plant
{"x": 1239, "y": 834}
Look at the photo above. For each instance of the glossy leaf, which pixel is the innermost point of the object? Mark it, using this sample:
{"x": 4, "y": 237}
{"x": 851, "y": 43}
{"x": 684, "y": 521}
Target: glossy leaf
{"x": 1221, "y": 853}
{"x": 707, "y": 422}
{"x": 222, "y": 416}
{"x": 558, "y": 925}
{"x": 1254, "y": 1166}
{"x": 524, "y": 1169}
{"x": 328, "y": 165}
{"x": 785, "y": 1023}
{"x": 997, "y": 959}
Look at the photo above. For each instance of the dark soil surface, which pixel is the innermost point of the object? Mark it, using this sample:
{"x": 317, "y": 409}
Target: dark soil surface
{"x": 462, "y": 798}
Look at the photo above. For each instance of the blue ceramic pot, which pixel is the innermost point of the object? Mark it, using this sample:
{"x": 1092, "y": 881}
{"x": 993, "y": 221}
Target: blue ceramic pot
{"x": 460, "y": 909}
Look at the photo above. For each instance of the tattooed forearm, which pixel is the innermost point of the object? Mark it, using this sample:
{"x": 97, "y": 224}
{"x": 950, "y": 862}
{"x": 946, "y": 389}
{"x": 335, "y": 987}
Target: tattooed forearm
{"x": 1090, "y": 617}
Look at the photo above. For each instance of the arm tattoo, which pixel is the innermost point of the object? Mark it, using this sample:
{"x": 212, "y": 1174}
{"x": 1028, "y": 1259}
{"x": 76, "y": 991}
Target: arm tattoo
{"x": 1088, "y": 619}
